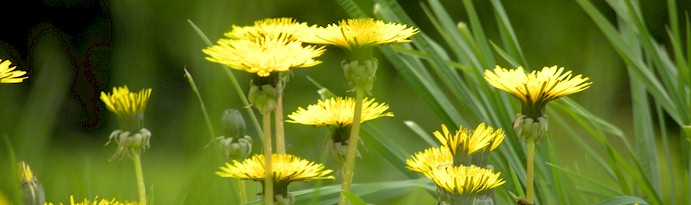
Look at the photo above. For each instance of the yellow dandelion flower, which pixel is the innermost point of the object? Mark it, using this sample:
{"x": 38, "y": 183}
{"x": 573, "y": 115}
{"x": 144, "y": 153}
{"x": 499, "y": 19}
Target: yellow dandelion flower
{"x": 353, "y": 34}
{"x": 128, "y": 106}
{"x": 272, "y": 28}
{"x": 338, "y": 112}
{"x": 429, "y": 159}
{"x": 9, "y": 75}
{"x": 96, "y": 201}
{"x": 465, "y": 179}
{"x": 536, "y": 88}
{"x": 286, "y": 168}
{"x": 470, "y": 142}
{"x": 264, "y": 55}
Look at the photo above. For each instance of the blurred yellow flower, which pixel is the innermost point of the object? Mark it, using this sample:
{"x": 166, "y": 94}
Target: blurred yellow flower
{"x": 352, "y": 34}
{"x": 272, "y": 28}
{"x": 263, "y": 55}
{"x": 97, "y": 202}
{"x": 8, "y": 74}
{"x": 429, "y": 159}
{"x": 128, "y": 106}
{"x": 465, "y": 179}
{"x": 470, "y": 141}
{"x": 338, "y": 111}
{"x": 536, "y": 88}
{"x": 286, "y": 168}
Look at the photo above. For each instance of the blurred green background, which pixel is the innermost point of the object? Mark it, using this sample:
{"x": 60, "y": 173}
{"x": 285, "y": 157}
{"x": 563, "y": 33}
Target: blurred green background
{"x": 73, "y": 50}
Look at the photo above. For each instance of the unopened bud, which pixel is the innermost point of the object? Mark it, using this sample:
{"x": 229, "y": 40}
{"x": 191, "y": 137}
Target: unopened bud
{"x": 233, "y": 124}
{"x": 236, "y": 148}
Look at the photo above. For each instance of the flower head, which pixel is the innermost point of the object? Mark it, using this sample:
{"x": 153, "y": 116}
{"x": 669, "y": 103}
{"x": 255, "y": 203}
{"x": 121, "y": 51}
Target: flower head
{"x": 272, "y": 28}
{"x": 286, "y": 168}
{"x": 469, "y": 142}
{"x": 429, "y": 159}
{"x": 98, "y": 202}
{"x": 263, "y": 55}
{"x": 465, "y": 179}
{"x": 8, "y": 74}
{"x": 353, "y": 34}
{"x": 338, "y": 112}
{"x": 128, "y": 106}
{"x": 32, "y": 190}
{"x": 536, "y": 88}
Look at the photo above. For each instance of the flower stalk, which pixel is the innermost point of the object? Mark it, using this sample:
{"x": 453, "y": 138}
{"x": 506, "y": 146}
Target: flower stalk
{"x": 268, "y": 179}
{"x": 141, "y": 188}
{"x": 349, "y": 167}
{"x": 530, "y": 172}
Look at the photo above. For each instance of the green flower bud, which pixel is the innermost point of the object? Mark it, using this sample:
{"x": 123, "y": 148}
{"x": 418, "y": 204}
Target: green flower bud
{"x": 235, "y": 148}
{"x": 233, "y": 124}
{"x": 361, "y": 74}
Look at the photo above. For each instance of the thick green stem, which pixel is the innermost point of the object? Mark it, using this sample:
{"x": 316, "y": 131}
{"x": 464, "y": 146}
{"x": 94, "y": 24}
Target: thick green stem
{"x": 280, "y": 133}
{"x": 687, "y": 132}
{"x": 242, "y": 191}
{"x": 268, "y": 172}
{"x": 530, "y": 172}
{"x": 352, "y": 146}
{"x": 140, "y": 178}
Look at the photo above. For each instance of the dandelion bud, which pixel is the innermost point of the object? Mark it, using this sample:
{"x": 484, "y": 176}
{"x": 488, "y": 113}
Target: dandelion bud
{"x": 32, "y": 190}
{"x": 233, "y": 124}
{"x": 236, "y": 148}
{"x": 361, "y": 74}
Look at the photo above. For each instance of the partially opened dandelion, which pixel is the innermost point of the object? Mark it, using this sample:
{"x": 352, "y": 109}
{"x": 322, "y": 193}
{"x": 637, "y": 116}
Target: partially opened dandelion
{"x": 31, "y": 188}
{"x": 8, "y": 74}
{"x": 286, "y": 169}
{"x": 470, "y": 146}
{"x": 337, "y": 114}
{"x": 535, "y": 90}
{"x": 132, "y": 138}
{"x": 265, "y": 55}
{"x": 358, "y": 37}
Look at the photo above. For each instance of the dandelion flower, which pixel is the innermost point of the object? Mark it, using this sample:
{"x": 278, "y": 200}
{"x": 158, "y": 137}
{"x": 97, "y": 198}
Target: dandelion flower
{"x": 536, "y": 88}
{"x": 470, "y": 141}
{"x": 264, "y": 55}
{"x": 338, "y": 112}
{"x": 96, "y": 201}
{"x": 429, "y": 159}
{"x": 286, "y": 168}
{"x": 128, "y": 106}
{"x": 272, "y": 28}
{"x": 465, "y": 179}
{"x": 9, "y": 74}
{"x": 353, "y": 34}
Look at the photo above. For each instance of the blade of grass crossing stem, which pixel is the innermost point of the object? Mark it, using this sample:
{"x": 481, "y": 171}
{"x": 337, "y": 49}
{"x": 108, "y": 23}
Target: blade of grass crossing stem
{"x": 603, "y": 188}
{"x": 508, "y": 35}
{"x": 354, "y": 200}
{"x": 513, "y": 62}
{"x": 234, "y": 82}
{"x": 209, "y": 125}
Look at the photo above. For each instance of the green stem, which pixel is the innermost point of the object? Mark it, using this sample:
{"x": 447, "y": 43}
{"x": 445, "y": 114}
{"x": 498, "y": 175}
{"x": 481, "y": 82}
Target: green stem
{"x": 242, "y": 191}
{"x": 352, "y": 146}
{"x": 280, "y": 133}
{"x": 140, "y": 178}
{"x": 687, "y": 153}
{"x": 530, "y": 172}
{"x": 268, "y": 172}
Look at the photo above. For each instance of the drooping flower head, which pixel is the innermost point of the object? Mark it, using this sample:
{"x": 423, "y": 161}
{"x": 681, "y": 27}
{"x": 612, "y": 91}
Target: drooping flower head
{"x": 462, "y": 180}
{"x": 429, "y": 159}
{"x": 128, "y": 106}
{"x": 537, "y": 88}
{"x": 96, "y": 201}
{"x": 469, "y": 142}
{"x": 286, "y": 168}
{"x": 360, "y": 35}
{"x": 8, "y": 74}
{"x": 272, "y": 28}
{"x": 263, "y": 55}
{"x": 338, "y": 111}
